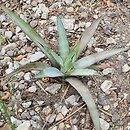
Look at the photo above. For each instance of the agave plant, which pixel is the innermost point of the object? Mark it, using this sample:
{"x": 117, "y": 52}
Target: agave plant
{"x": 66, "y": 64}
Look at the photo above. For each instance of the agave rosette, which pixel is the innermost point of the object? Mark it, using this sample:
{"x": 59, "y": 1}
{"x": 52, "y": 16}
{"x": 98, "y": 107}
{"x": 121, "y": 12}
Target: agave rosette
{"x": 66, "y": 64}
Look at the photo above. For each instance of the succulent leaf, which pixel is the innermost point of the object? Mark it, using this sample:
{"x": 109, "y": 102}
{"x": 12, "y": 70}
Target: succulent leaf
{"x": 29, "y": 31}
{"x": 63, "y": 44}
{"x": 55, "y": 56}
{"x": 88, "y": 33}
{"x": 31, "y": 66}
{"x": 68, "y": 64}
{"x": 88, "y": 99}
{"x": 92, "y": 59}
{"x": 49, "y": 72}
{"x": 84, "y": 72}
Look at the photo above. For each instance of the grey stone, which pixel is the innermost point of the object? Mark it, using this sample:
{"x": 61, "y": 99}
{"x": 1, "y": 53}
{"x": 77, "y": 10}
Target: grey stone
{"x": 18, "y": 29}
{"x": 71, "y": 100}
{"x": 74, "y": 127}
{"x": 35, "y": 125}
{"x": 125, "y": 68}
{"x": 10, "y": 53}
{"x": 68, "y": 2}
{"x": 36, "y": 118}
{"x": 15, "y": 121}
{"x": 26, "y": 125}
{"x": 42, "y": 11}
{"x": 8, "y": 34}
{"x": 27, "y": 104}
{"x": 25, "y": 115}
{"x": 27, "y": 76}
{"x": 50, "y": 118}
{"x": 111, "y": 40}
{"x": 104, "y": 125}
{"x": 64, "y": 110}
{"x": 9, "y": 70}
{"x": 92, "y": 42}
{"x": 2, "y": 18}
{"x": 107, "y": 71}
{"x": 69, "y": 24}
{"x": 32, "y": 89}
{"x": 24, "y": 61}
{"x": 87, "y": 24}
{"x": 33, "y": 23}
{"x": 35, "y": 57}
{"x": 32, "y": 112}
{"x": 40, "y": 102}
{"x": 53, "y": 88}
{"x": 10, "y": 46}
{"x": 106, "y": 85}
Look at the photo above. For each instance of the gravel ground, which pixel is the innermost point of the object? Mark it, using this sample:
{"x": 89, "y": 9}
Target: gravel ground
{"x": 45, "y": 104}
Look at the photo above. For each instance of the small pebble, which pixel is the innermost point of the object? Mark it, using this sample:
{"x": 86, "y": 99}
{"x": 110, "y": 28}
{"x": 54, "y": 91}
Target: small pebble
{"x": 70, "y": 100}
{"x": 10, "y": 46}
{"x": 35, "y": 125}
{"x": 50, "y": 118}
{"x": 106, "y": 85}
{"x": 53, "y": 88}
{"x": 27, "y": 104}
{"x": 35, "y": 57}
{"x": 74, "y": 127}
{"x": 27, "y": 76}
{"x": 15, "y": 121}
{"x": 24, "y": 126}
{"x": 8, "y": 34}
{"x": 54, "y": 128}
{"x": 59, "y": 117}
{"x": 104, "y": 125}
{"x": 68, "y": 24}
{"x": 24, "y": 61}
{"x": 32, "y": 112}
{"x": 33, "y": 23}
{"x": 32, "y": 89}
{"x": 68, "y": 2}
{"x": 40, "y": 102}
{"x": 2, "y": 18}
{"x": 115, "y": 116}
{"x": 64, "y": 110}
{"x": 111, "y": 41}
{"x": 125, "y": 68}
{"x": 47, "y": 110}
{"x": 107, "y": 71}
{"x": 25, "y": 115}
{"x": 129, "y": 53}
{"x": 106, "y": 107}
{"x": 18, "y": 29}
{"x": 87, "y": 24}
{"x": 10, "y": 53}
{"x": 98, "y": 49}
{"x": 92, "y": 42}
{"x": 70, "y": 9}
{"x": 61, "y": 126}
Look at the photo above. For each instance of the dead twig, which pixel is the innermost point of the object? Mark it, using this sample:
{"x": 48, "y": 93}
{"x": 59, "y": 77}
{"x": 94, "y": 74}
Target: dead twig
{"x": 67, "y": 116}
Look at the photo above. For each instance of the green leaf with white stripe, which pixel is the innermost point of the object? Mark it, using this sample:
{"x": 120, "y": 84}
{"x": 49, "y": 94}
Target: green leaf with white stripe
{"x": 63, "y": 44}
